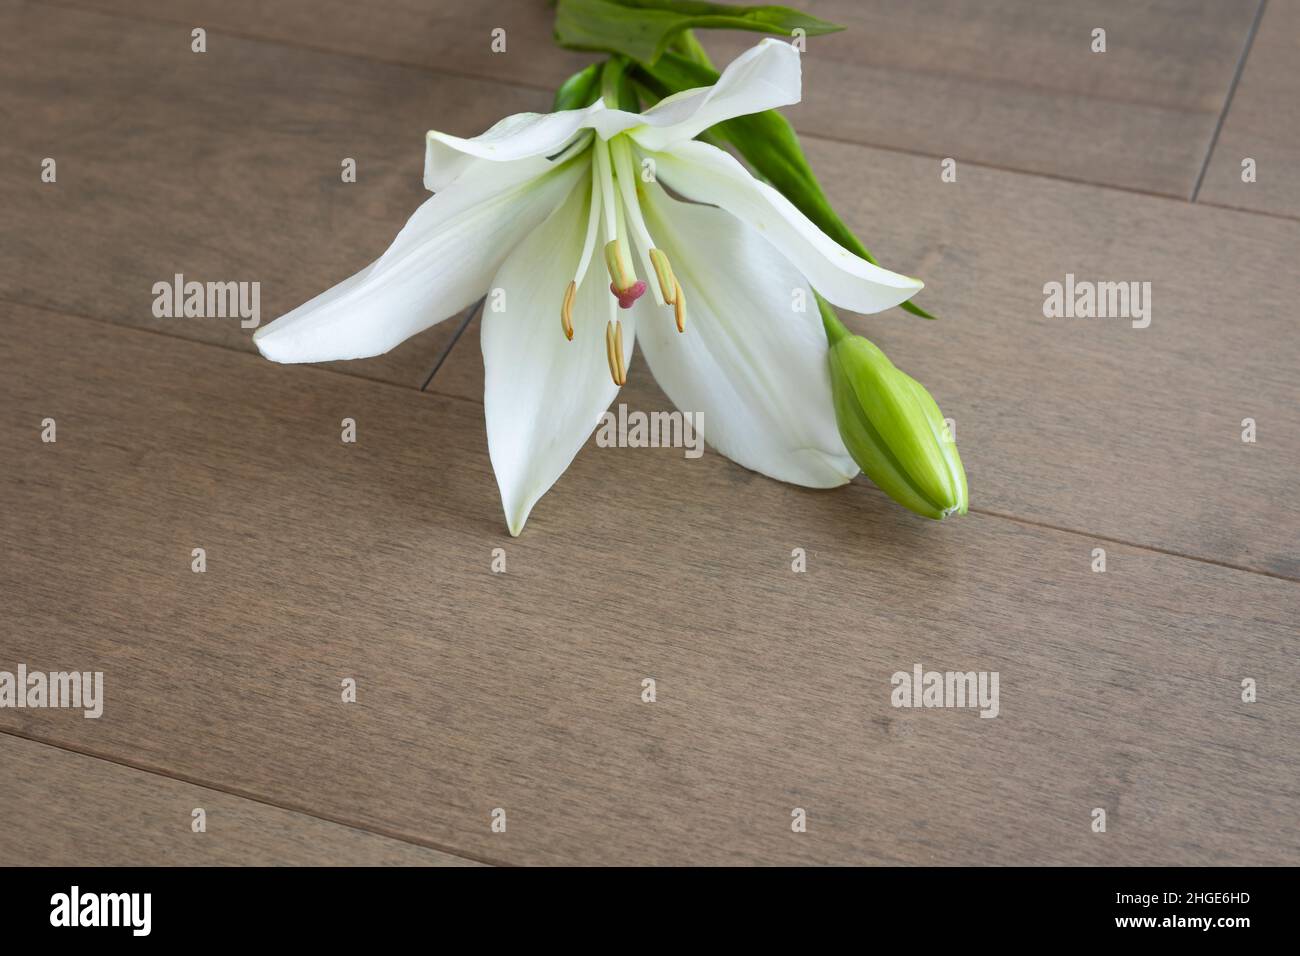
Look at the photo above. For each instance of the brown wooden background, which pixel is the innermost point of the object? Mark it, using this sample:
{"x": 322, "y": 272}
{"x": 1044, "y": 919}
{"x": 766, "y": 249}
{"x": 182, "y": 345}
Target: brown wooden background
{"x": 522, "y": 691}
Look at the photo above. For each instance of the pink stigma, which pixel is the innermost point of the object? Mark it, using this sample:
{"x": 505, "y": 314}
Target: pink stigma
{"x": 629, "y": 295}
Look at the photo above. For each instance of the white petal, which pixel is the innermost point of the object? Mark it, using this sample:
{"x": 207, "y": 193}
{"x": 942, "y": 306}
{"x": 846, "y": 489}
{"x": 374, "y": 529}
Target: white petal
{"x": 521, "y": 136}
{"x": 707, "y": 174}
{"x": 749, "y": 362}
{"x": 438, "y": 265}
{"x": 543, "y": 394}
{"x": 762, "y": 78}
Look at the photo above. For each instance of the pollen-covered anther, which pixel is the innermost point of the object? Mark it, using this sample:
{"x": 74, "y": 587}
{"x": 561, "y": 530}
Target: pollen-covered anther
{"x": 679, "y": 306}
{"x": 614, "y": 352}
{"x": 566, "y": 310}
{"x": 664, "y": 273}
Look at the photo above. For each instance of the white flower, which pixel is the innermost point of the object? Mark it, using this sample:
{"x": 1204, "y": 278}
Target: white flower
{"x": 522, "y": 211}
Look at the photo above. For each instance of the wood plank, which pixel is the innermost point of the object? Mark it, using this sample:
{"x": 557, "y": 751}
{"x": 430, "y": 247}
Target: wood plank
{"x": 522, "y": 690}
{"x": 224, "y": 166}
{"x": 59, "y": 808}
{"x": 1263, "y": 122}
{"x": 1010, "y": 83}
{"x": 1015, "y": 84}
{"x": 1087, "y": 424}
{"x": 450, "y": 37}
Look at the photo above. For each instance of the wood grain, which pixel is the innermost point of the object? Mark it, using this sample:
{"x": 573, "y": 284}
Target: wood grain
{"x": 59, "y": 808}
{"x": 1010, "y": 83}
{"x": 1015, "y": 84}
{"x": 223, "y": 166}
{"x": 448, "y": 36}
{"x": 521, "y": 690}
{"x": 1087, "y": 424}
{"x": 1263, "y": 122}
{"x": 68, "y": 809}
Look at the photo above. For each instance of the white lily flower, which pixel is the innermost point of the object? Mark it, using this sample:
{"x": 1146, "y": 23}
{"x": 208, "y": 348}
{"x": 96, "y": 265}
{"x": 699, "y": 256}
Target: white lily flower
{"x": 520, "y": 210}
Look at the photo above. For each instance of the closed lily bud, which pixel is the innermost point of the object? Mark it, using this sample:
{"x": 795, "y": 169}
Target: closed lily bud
{"x": 893, "y": 428}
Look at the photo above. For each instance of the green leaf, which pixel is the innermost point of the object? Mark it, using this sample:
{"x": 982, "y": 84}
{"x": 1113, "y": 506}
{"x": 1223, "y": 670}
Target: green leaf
{"x": 581, "y": 89}
{"x": 643, "y": 29}
{"x": 916, "y": 310}
{"x": 770, "y": 145}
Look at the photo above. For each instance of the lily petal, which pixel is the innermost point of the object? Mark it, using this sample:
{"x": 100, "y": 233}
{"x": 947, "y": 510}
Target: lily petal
{"x": 764, "y": 77}
{"x": 437, "y": 266}
{"x": 518, "y": 137}
{"x": 707, "y": 174}
{"x": 749, "y": 360}
{"x": 543, "y": 394}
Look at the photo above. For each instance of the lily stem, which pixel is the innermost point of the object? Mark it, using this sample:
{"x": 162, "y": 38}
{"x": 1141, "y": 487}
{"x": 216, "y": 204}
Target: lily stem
{"x": 835, "y": 329}
{"x": 616, "y": 86}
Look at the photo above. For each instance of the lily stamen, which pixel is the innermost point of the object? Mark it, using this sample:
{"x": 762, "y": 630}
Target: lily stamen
{"x": 668, "y": 286}
{"x": 584, "y": 260}
{"x": 679, "y": 306}
{"x": 614, "y": 352}
{"x": 618, "y": 352}
{"x": 566, "y": 310}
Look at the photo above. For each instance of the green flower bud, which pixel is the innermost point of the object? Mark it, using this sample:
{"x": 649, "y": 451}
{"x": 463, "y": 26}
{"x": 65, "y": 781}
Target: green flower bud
{"x": 892, "y": 427}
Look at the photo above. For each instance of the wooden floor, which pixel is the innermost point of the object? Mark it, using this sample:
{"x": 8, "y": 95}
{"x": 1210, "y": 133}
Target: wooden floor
{"x": 483, "y": 695}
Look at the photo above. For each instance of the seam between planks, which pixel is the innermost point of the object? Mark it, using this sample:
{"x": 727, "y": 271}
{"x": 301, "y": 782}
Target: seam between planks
{"x": 997, "y": 167}
{"x": 1168, "y": 552}
{"x": 110, "y": 323}
{"x": 255, "y": 798}
{"x": 1227, "y": 100}
{"x": 277, "y": 41}
{"x": 1279, "y": 216}
{"x": 523, "y": 84}
{"x": 1156, "y": 549}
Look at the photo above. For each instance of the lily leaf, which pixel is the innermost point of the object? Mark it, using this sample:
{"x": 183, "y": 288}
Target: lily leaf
{"x": 643, "y": 29}
{"x": 770, "y": 145}
{"x": 581, "y": 89}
